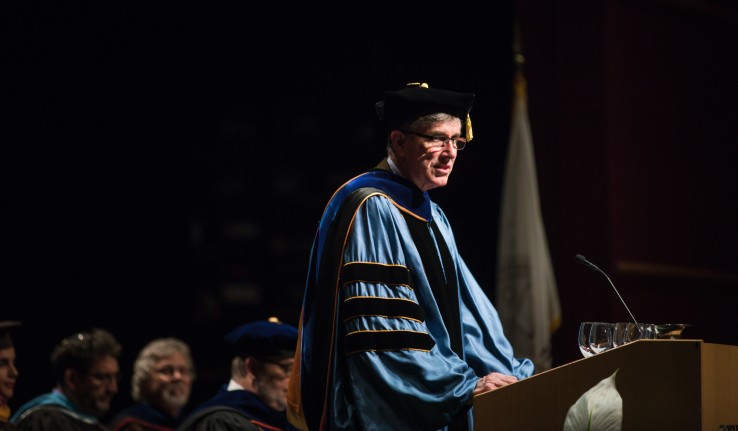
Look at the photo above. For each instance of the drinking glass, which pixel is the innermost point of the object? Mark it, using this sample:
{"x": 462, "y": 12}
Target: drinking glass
{"x": 625, "y": 332}
{"x": 584, "y": 330}
{"x": 600, "y": 337}
{"x": 620, "y": 334}
{"x": 646, "y": 331}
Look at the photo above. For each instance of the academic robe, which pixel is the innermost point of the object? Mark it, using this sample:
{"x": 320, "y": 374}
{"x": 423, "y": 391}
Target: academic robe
{"x": 235, "y": 410}
{"x": 143, "y": 417}
{"x": 7, "y": 426}
{"x": 54, "y": 412}
{"x": 394, "y": 332}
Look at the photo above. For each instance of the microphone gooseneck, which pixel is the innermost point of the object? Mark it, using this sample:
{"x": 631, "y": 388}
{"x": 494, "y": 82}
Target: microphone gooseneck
{"x": 581, "y": 259}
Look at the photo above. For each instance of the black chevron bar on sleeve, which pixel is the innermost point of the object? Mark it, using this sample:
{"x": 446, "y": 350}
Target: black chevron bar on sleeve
{"x": 363, "y": 341}
{"x": 385, "y": 307}
{"x": 375, "y": 273}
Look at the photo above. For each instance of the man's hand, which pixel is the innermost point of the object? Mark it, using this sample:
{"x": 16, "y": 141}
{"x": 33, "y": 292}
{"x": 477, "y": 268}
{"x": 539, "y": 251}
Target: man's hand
{"x": 493, "y": 381}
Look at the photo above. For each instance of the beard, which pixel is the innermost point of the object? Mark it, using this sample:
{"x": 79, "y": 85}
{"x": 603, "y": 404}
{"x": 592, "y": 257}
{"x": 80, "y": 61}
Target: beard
{"x": 175, "y": 397}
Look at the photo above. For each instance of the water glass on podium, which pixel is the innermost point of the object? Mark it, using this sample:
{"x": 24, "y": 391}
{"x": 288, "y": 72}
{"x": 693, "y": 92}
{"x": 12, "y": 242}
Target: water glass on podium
{"x": 626, "y": 332}
{"x": 595, "y": 337}
{"x": 600, "y": 337}
{"x": 584, "y": 329}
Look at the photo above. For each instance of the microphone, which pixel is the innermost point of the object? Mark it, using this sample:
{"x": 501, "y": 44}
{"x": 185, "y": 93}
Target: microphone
{"x": 581, "y": 259}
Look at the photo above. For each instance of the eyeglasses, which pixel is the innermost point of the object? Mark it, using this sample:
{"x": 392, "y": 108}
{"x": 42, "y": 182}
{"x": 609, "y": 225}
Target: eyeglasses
{"x": 437, "y": 142}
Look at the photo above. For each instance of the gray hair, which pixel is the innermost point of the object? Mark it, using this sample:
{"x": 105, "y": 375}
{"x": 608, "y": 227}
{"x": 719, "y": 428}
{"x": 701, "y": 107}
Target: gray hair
{"x": 148, "y": 356}
{"x": 238, "y": 367}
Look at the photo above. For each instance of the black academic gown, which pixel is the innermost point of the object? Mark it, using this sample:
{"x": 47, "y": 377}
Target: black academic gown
{"x": 235, "y": 410}
{"x": 56, "y": 418}
{"x": 143, "y": 417}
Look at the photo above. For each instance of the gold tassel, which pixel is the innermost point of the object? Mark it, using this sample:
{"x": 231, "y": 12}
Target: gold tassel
{"x": 469, "y": 134}
{"x": 4, "y": 413}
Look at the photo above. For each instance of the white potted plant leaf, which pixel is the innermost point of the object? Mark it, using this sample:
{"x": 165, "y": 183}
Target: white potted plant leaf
{"x": 598, "y": 409}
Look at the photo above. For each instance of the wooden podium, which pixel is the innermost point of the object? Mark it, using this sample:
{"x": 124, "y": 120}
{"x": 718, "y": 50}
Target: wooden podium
{"x": 665, "y": 385}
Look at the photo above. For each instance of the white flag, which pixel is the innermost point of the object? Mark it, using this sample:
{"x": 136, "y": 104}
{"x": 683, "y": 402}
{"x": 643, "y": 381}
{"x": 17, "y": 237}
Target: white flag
{"x": 526, "y": 296}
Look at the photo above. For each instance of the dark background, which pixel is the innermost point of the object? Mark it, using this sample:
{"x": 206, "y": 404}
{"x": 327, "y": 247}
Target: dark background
{"x": 167, "y": 164}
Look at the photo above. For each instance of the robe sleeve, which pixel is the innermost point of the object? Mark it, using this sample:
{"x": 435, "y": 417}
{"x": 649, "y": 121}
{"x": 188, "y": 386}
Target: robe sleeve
{"x": 401, "y": 374}
{"x": 486, "y": 348}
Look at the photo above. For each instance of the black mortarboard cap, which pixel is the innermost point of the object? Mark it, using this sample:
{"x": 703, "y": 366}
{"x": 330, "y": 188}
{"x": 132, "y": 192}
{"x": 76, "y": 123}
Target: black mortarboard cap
{"x": 417, "y": 99}
{"x": 5, "y": 327}
{"x": 267, "y": 338}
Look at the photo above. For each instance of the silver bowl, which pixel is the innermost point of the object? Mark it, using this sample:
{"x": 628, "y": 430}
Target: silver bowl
{"x": 670, "y": 331}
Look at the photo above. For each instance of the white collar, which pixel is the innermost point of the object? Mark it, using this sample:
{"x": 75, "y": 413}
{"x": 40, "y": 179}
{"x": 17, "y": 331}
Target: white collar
{"x": 393, "y": 166}
{"x": 233, "y": 386}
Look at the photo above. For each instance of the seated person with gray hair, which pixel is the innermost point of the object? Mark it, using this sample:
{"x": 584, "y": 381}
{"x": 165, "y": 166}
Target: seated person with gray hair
{"x": 256, "y": 396}
{"x": 86, "y": 369}
{"x": 161, "y": 385}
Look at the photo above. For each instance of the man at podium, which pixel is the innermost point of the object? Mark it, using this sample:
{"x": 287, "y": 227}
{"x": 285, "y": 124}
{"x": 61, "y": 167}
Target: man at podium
{"x": 395, "y": 332}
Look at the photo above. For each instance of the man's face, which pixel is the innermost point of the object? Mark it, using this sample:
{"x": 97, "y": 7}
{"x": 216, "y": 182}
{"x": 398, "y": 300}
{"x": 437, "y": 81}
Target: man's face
{"x": 8, "y": 372}
{"x": 427, "y": 168}
{"x": 170, "y": 383}
{"x": 271, "y": 382}
{"x": 93, "y": 391}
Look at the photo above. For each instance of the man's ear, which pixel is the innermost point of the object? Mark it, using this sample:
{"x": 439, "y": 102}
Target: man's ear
{"x": 398, "y": 142}
{"x": 72, "y": 378}
{"x": 250, "y": 365}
